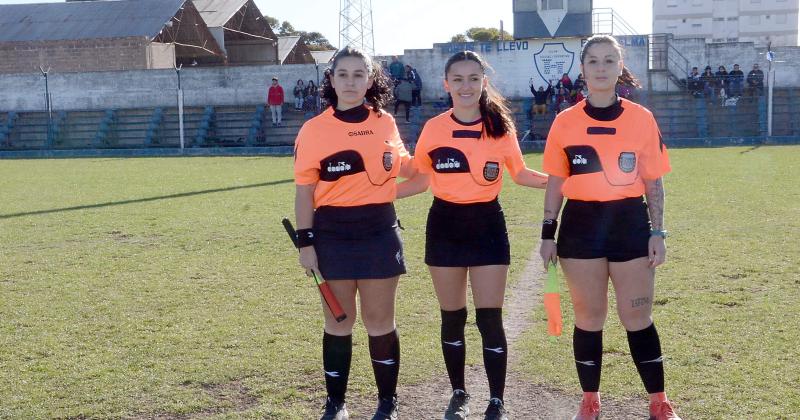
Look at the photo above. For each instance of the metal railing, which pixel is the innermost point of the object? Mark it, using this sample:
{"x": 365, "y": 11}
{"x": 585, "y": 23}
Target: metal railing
{"x": 606, "y": 20}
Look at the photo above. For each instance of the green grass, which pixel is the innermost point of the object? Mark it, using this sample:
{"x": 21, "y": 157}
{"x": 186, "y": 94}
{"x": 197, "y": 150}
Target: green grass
{"x": 727, "y": 299}
{"x": 137, "y": 287}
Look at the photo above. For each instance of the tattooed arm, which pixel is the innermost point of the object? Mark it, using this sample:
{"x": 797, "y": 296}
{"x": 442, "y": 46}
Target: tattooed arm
{"x": 654, "y": 191}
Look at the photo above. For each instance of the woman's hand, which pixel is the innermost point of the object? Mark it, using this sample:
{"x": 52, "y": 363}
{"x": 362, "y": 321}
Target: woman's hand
{"x": 548, "y": 252}
{"x": 656, "y": 251}
{"x": 308, "y": 259}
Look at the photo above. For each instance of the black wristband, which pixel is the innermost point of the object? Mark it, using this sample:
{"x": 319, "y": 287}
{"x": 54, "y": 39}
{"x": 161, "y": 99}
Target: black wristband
{"x": 305, "y": 237}
{"x": 549, "y": 227}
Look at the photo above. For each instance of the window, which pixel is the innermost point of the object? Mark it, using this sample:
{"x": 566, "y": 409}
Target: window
{"x": 697, "y": 25}
{"x": 755, "y": 1}
{"x": 755, "y": 20}
{"x": 780, "y": 19}
{"x": 733, "y": 39}
{"x": 552, "y": 4}
{"x": 733, "y": 18}
{"x": 672, "y": 3}
{"x": 718, "y": 40}
{"x": 719, "y": 19}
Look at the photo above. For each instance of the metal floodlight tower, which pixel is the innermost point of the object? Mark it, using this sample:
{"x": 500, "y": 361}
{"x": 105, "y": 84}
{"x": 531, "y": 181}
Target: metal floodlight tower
{"x": 355, "y": 25}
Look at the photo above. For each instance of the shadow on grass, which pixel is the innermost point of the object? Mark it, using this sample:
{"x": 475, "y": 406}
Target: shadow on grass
{"x": 143, "y": 200}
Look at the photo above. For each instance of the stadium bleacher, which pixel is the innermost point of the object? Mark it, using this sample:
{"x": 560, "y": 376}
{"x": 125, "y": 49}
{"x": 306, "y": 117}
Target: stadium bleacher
{"x": 680, "y": 116}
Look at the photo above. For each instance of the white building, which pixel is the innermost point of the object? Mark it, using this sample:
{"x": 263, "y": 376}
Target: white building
{"x": 759, "y": 21}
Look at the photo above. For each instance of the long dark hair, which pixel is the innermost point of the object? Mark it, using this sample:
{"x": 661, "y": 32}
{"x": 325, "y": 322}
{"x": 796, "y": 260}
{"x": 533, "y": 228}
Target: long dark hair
{"x": 379, "y": 95}
{"x": 627, "y": 78}
{"x": 495, "y": 112}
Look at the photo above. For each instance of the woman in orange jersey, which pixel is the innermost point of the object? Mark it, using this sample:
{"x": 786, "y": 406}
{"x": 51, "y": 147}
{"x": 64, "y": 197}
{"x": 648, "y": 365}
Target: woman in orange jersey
{"x": 465, "y": 151}
{"x": 604, "y": 154}
{"x": 347, "y": 160}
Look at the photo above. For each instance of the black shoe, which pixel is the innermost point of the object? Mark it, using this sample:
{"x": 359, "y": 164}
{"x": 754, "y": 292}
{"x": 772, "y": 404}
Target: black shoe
{"x": 335, "y": 410}
{"x": 458, "y": 408}
{"x": 495, "y": 410}
{"x": 387, "y": 409}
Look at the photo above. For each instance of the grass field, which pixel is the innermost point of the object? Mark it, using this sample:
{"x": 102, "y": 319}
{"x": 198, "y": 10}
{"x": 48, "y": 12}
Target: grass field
{"x": 138, "y": 288}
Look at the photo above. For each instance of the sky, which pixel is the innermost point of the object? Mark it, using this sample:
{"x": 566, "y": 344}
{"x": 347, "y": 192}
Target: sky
{"x": 413, "y": 24}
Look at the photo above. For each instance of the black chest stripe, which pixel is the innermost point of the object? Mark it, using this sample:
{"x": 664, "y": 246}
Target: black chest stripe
{"x": 447, "y": 160}
{"x": 583, "y": 160}
{"x": 337, "y": 165}
{"x": 466, "y": 134}
{"x": 610, "y": 131}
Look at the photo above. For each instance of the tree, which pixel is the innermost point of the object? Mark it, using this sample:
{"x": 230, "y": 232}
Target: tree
{"x": 272, "y": 22}
{"x": 286, "y": 29}
{"x": 315, "y": 41}
{"x": 481, "y": 35}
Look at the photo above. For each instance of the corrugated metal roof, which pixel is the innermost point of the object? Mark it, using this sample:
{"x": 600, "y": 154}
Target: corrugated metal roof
{"x": 285, "y": 46}
{"x": 218, "y": 12}
{"x": 323, "y": 57}
{"x": 85, "y": 19}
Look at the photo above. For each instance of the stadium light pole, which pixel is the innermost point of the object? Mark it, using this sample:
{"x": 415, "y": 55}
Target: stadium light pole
{"x": 180, "y": 103}
{"x": 48, "y": 106}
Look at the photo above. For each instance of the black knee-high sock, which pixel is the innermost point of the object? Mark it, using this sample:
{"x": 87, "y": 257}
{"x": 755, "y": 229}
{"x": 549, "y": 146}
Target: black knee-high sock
{"x": 337, "y": 351}
{"x": 385, "y": 353}
{"x": 454, "y": 347}
{"x": 646, "y": 352}
{"x": 495, "y": 348}
{"x": 588, "y": 349}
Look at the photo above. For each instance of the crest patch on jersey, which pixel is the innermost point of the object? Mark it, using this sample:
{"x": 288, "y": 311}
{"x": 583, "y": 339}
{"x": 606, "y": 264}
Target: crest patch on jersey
{"x": 627, "y": 162}
{"x": 387, "y": 161}
{"x": 491, "y": 171}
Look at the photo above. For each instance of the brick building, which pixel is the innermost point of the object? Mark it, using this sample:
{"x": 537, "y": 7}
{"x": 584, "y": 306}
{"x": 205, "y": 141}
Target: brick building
{"x": 104, "y": 35}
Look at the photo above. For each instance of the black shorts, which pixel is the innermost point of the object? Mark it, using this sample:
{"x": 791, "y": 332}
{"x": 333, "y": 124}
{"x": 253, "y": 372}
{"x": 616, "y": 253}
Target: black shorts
{"x": 617, "y": 230}
{"x": 466, "y": 235}
{"x": 356, "y": 243}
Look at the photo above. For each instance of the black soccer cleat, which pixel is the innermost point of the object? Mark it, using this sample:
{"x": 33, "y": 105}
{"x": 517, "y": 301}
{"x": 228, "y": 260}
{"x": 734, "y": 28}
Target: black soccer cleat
{"x": 458, "y": 408}
{"x": 495, "y": 410}
{"x": 387, "y": 409}
{"x": 334, "y": 410}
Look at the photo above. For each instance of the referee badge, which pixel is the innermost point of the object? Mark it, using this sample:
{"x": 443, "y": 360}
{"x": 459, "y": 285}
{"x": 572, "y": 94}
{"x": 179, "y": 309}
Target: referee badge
{"x": 627, "y": 162}
{"x": 491, "y": 171}
{"x": 387, "y": 161}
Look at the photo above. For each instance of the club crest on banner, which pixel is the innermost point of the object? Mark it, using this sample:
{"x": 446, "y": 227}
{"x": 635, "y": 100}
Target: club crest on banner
{"x": 387, "y": 161}
{"x": 627, "y": 162}
{"x": 491, "y": 171}
{"x": 553, "y": 60}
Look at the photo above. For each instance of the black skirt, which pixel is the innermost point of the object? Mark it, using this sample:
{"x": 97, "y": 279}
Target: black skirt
{"x": 357, "y": 243}
{"x": 466, "y": 235}
{"x": 617, "y": 230}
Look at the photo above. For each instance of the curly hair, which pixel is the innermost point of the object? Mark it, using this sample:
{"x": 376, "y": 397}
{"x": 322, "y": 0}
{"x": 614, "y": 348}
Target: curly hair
{"x": 379, "y": 95}
{"x": 495, "y": 111}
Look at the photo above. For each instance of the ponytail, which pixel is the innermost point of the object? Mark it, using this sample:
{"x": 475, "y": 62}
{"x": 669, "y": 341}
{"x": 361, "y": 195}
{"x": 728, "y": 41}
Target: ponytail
{"x": 496, "y": 115}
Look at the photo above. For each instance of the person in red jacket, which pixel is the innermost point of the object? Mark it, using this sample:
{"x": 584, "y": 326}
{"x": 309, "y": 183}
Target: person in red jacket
{"x": 275, "y": 101}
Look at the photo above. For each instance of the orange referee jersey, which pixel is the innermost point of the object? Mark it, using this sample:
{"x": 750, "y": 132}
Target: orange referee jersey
{"x": 465, "y": 165}
{"x": 605, "y": 160}
{"x": 352, "y": 163}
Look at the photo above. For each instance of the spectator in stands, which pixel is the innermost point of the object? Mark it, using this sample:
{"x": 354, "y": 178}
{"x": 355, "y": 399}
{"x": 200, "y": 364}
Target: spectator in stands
{"x": 403, "y": 95}
{"x": 396, "y": 69}
{"x": 693, "y": 82}
{"x": 709, "y": 81}
{"x": 299, "y": 94}
{"x": 625, "y": 89}
{"x": 722, "y": 79}
{"x": 311, "y": 99}
{"x": 564, "y": 99}
{"x": 416, "y": 81}
{"x": 566, "y": 83}
{"x": 755, "y": 81}
{"x": 735, "y": 80}
{"x": 540, "y": 98}
{"x": 578, "y": 86}
{"x": 275, "y": 100}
